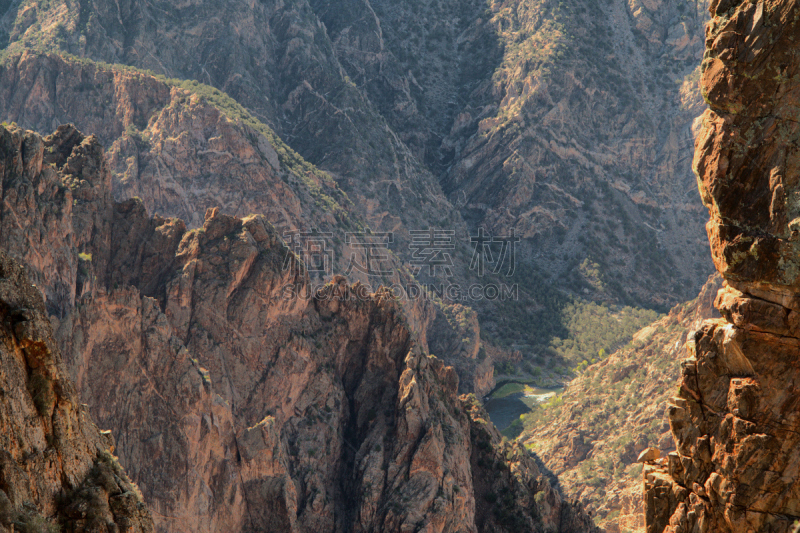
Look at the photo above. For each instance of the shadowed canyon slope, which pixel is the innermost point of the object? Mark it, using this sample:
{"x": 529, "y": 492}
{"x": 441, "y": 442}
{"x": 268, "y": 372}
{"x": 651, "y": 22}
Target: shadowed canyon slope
{"x": 56, "y": 468}
{"x": 234, "y": 407}
{"x": 566, "y": 123}
{"x": 735, "y": 417}
{"x": 590, "y": 437}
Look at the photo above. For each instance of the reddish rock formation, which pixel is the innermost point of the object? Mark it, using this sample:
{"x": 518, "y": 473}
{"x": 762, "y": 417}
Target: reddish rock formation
{"x": 236, "y": 405}
{"x": 186, "y": 148}
{"x": 735, "y": 418}
{"x": 56, "y": 467}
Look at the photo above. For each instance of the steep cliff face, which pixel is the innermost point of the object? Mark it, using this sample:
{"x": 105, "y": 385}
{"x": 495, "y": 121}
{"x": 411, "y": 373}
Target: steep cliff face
{"x": 508, "y": 483}
{"x": 567, "y": 124}
{"x": 591, "y": 436}
{"x": 735, "y": 417}
{"x": 420, "y": 63}
{"x": 56, "y": 468}
{"x": 581, "y": 147}
{"x": 563, "y": 125}
{"x": 238, "y": 403}
{"x": 182, "y": 148}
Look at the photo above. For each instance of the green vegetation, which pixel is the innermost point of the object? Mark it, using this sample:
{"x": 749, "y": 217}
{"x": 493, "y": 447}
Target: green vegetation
{"x": 508, "y": 389}
{"x": 615, "y": 404}
{"x": 564, "y": 333}
{"x": 41, "y": 390}
{"x": 597, "y": 330}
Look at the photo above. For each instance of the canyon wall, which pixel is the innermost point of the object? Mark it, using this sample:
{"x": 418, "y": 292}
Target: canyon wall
{"x": 57, "y": 472}
{"x": 181, "y": 148}
{"x": 735, "y": 418}
{"x": 566, "y": 126}
{"x": 237, "y": 404}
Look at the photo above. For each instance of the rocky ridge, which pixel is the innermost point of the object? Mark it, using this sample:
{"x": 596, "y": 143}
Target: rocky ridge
{"x": 237, "y": 406}
{"x": 57, "y": 472}
{"x": 182, "y": 147}
{"x": 734, "y": 418}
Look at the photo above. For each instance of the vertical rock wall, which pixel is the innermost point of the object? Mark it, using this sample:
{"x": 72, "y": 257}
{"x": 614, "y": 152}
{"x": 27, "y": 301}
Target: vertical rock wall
{"x": 736, "y": 418}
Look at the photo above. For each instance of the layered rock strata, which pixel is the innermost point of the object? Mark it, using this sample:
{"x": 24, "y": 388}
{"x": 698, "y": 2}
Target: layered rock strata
{"x": 735, "y": 419}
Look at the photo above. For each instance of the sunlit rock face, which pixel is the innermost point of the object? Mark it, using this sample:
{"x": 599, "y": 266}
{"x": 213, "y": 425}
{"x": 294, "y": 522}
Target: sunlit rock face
{"x": 735, "y": 419}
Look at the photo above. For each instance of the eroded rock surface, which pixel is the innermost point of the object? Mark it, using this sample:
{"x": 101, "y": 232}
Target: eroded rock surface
{"x": 735, "y": 417}
{"x": 567, "y": 127}
{"x": 56, "y": 467}
{"x": 238, "y": 404}
{"x": 183, "y": 149}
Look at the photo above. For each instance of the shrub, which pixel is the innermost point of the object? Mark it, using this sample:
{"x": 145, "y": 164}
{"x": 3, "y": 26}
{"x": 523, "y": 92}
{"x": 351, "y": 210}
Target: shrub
{"x": 41, "y": 390}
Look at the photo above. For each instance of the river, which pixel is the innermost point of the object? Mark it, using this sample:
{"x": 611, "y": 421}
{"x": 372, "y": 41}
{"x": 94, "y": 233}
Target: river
{"x": 503, "y": 411}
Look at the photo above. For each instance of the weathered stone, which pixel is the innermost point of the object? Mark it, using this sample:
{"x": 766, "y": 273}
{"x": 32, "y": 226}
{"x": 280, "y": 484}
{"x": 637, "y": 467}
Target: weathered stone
{"x": 240, "y": 401}
{"x": 56, "y": 467}
{"x": 649, "y": 455}
{"x": 743, "y": 436}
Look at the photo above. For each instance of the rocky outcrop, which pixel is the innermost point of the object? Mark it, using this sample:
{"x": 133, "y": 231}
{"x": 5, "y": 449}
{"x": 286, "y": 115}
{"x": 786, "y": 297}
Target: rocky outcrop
{"x": 56, "y": 468}
{"x": 509, "y": 483}
{"x": 239, "y": 402}
{"x": 591, "y": 436}
{"x": 181, "y": 148}
{"x": 734, "y": 419}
